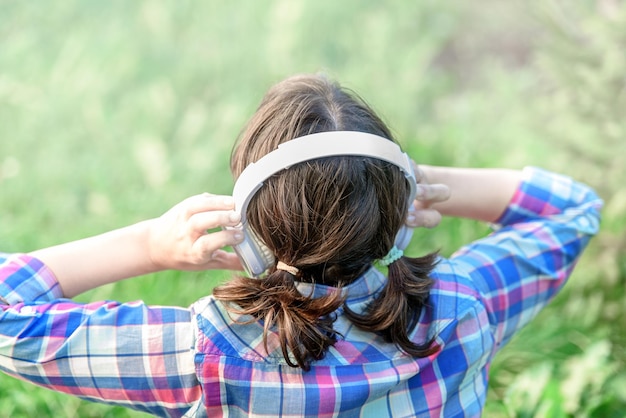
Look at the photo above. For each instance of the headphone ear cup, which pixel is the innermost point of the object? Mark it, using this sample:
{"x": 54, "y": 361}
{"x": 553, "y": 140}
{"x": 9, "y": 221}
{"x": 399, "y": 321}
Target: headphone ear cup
{"x": 253, "y": 253}
{"x": 403, "y": 237}
{"x": 263, "y": 254}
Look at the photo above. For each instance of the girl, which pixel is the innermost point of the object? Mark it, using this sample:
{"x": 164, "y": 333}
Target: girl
{"x": 323, "y": 332}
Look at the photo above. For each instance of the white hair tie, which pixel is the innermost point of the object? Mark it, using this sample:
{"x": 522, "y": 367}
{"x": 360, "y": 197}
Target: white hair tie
{"x": 286, "y": 267}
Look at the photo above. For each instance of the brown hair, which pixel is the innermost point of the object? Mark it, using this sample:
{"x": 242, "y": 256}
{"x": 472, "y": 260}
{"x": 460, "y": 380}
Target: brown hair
{"x": 331, "y": 218}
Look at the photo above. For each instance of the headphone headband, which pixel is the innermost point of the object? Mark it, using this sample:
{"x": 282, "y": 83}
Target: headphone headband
{"x": 254, "y": 255}
{"x": 319, "y": 145}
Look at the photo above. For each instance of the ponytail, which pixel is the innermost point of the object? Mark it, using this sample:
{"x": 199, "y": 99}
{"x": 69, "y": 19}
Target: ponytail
{"x": 304, "y": 325}
{"x": 396, "y": 310}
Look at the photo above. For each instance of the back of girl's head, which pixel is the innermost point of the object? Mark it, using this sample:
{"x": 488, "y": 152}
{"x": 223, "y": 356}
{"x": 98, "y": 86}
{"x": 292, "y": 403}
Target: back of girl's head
{"x": 331, "y": 217}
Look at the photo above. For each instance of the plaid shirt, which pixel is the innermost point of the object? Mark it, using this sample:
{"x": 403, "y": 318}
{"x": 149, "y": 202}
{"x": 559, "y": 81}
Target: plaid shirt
{"x": 173, "y": 361}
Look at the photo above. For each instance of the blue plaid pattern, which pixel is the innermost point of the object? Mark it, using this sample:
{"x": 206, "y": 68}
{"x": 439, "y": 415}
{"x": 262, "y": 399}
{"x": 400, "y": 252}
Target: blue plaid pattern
{"x": 203, "y": 361}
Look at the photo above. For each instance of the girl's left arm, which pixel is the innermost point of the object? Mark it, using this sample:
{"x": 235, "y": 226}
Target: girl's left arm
{"x": 128, "y": 354}
{"x": 125, "y": 354}
{"x": 176, "y": 240}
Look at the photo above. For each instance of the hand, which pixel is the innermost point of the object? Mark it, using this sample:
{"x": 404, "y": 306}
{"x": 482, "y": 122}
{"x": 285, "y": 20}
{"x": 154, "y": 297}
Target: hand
{"x": 421, "y": 214}
{"x": 180, "y": 240}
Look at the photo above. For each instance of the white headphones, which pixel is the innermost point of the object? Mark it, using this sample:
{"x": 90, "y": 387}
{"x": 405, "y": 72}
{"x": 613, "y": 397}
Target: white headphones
{"x": 254, "y": 255}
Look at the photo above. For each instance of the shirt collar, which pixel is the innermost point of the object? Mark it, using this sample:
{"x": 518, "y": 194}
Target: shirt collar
{"x": 366, "y": 286}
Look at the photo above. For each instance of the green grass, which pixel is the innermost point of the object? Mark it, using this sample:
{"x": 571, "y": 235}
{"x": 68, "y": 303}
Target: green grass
{"x": 112, "y": 112}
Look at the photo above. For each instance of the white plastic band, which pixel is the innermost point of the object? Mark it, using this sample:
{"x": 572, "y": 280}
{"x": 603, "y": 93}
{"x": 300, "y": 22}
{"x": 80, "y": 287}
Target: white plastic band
{"x": 319, "y": 145}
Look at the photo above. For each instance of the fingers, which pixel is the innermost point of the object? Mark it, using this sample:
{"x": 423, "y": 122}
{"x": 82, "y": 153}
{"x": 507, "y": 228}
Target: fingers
{"x": 423, "y": 218}
{"x": 421, "y": 215}
{"x": 206, "y": 211}
{"x": 202, "y": 221}
{"x": 207, "y": 202}
{"x": 432, "y": 193}
{"x": 417, "y": 171}
{"x": 429, "y": 192}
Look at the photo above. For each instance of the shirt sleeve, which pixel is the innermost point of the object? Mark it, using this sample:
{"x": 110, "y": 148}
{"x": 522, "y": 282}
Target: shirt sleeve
{"x": 537, "y": 241}
{"x": 26, "y": 278}
{"x": 127, "y": 354}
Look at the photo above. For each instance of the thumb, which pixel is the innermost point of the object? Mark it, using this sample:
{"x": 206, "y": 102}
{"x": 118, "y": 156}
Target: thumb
{"x": 224, "y": 260}
{"x": 206, "y": 249}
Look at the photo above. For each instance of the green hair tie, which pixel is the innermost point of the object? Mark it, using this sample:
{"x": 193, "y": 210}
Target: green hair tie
{"x": 393, "y": 255}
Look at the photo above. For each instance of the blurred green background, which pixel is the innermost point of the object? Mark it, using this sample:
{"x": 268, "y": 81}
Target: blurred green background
{"x": 112, "y": 112}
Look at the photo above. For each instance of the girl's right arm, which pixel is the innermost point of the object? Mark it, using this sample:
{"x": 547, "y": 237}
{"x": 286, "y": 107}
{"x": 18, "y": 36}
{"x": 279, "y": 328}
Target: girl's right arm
{"x": 474, "y": 193}
{"x": 543, "y": 222}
